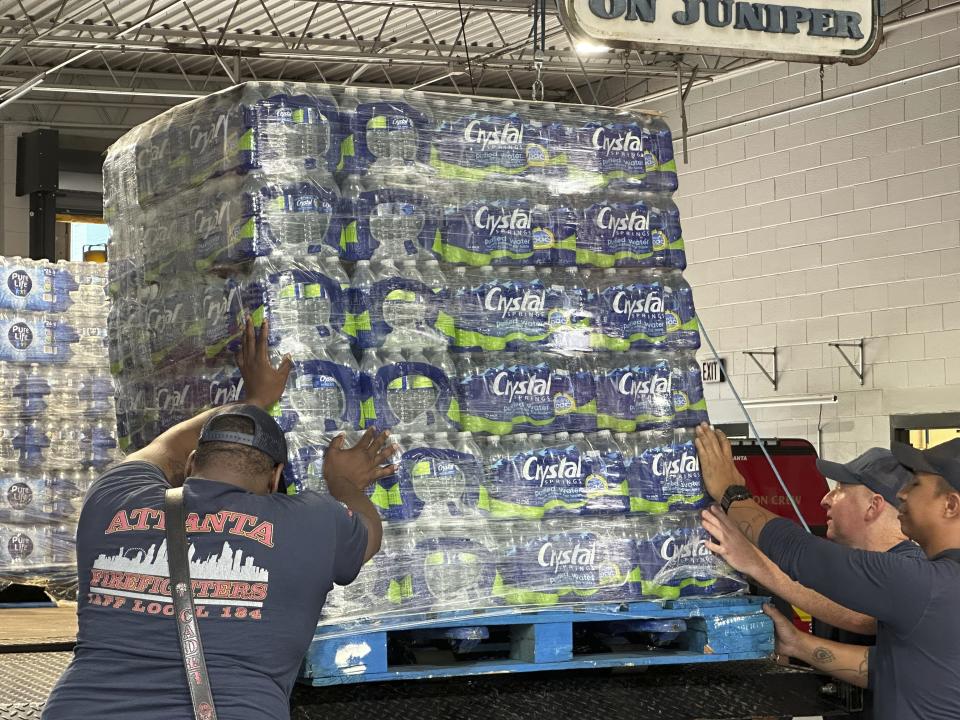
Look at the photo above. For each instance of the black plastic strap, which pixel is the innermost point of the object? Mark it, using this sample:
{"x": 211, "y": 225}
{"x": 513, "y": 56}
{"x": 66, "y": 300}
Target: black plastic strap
{"x": 181, "y": 591}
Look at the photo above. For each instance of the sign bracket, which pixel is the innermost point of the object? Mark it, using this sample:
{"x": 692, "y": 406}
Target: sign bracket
{"x": 682, "y": 100}
{"x": 858, "y": 369}
{"x": 752, "y": 354}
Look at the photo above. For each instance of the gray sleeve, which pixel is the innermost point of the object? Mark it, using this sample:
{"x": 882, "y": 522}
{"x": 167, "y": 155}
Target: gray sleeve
{"x": 351, "y": 536}
{"x": 888, "y": 586}
{"x": 125, "y": 477}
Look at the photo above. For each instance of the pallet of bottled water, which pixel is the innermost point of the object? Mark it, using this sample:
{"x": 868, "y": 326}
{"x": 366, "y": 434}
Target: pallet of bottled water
{"x": 498, "y": 283}
{"x": 58, "y": 426}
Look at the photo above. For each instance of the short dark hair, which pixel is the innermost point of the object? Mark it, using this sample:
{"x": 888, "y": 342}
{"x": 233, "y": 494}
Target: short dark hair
{"x": 245, "y": 459}
{"x": 943, "y": 487}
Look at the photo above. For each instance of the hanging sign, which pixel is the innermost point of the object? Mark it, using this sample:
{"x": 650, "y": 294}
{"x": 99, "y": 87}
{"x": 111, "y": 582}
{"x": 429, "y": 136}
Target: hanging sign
{"x": 816, "y": 31}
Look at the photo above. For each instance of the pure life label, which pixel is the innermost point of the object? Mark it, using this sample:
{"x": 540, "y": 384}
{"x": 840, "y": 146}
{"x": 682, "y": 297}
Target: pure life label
{"x": 824, "y": 31}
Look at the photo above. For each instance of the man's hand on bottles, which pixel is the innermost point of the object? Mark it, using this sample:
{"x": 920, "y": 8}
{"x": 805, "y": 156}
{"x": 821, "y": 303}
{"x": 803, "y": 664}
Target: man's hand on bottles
{"x": 353, "y": 470}
{"x": 716, "y": 461}
{"x": 264, "y": 383}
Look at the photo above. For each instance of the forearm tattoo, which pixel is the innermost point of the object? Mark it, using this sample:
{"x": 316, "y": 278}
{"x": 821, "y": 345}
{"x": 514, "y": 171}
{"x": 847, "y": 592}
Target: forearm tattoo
{"x": 822, "y": 655}
{"x": 825, "y": 658}
{"x": 751, "y": 526}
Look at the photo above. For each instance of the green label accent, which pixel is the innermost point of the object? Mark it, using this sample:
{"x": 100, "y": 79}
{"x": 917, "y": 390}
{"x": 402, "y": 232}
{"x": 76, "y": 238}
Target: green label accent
{"x": 368, "y": 413}
{"x": 346, "y": 150}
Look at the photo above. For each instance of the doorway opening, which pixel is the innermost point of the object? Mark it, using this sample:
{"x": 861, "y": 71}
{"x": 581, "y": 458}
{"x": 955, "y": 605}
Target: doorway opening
{"x": 925, "y": 430}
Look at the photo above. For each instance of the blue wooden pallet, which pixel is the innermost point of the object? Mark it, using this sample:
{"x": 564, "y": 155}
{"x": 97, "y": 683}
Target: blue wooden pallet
{"x": 452, "y": 644}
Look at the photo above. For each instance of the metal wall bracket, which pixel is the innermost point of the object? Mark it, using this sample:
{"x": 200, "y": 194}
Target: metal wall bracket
{"x": 682, "y": 102}
{"x": 858, "y": 368}
{"x": 773, "y": 353}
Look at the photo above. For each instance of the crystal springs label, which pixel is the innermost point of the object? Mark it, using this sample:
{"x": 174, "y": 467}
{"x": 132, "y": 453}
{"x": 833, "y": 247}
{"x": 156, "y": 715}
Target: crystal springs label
{"x": 633, "y": 315}
{"x": 501, "y": 314}
{"x": 533, "y": 388}
{"x": 627, "y": 148}
{"x": 505, "y": 232}
{"x": 518, "y": 397}
{"x": 477, "y": 146}
{"x": 577, "y": 557}
{"x": 586, "y": 563}
{"x": 634, "y": 397}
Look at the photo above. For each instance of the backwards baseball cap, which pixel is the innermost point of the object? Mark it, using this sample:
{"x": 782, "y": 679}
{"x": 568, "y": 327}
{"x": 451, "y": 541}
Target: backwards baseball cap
{"x": 942, "y": 460}
{"x": 267, "y": 436}
{"x": 876, "y": 469}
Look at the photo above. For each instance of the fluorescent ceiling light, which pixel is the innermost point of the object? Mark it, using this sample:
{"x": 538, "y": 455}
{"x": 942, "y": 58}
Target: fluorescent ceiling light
{"x": 108, "y": 91}
{"x": 438, "y": 79}
{"x": 585, "y": 47}
{"x": 791, "y": 401}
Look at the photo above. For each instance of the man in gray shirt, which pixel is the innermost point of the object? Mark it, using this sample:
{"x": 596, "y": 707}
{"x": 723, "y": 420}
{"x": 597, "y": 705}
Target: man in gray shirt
{"x": 261, "y": 562}
{"x": 914, "y": 669}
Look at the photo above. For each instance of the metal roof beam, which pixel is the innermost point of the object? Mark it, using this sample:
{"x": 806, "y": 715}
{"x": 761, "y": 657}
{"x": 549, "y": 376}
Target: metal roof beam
{"x": 591, "y": 68}
{"x": 275, "y": 40}
{"x": 522, "y": 7}
{"x": 182, "y": 95}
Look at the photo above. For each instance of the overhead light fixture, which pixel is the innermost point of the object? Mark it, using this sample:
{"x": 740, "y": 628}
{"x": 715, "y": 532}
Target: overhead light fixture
{"x": 585, "y": 47}
{"x": 794, "y": 401}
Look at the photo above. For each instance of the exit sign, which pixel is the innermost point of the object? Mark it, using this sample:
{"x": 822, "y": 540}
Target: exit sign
{"x": 713, "y": 371}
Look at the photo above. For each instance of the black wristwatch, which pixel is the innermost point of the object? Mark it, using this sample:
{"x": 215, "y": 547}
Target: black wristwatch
{"x": 732, "y": 494}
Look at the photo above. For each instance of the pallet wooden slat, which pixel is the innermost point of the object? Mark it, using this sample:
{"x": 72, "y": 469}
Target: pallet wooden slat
{"x": 712, "y": 630}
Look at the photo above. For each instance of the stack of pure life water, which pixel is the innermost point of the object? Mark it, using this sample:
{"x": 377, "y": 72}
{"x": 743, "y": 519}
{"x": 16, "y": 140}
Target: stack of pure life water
{"x": 57, "y": 418}
{"x": 498, "y": 283}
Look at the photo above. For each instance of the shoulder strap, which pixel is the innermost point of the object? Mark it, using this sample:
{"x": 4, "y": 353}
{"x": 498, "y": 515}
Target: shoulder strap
{"x": 181, "y": 590}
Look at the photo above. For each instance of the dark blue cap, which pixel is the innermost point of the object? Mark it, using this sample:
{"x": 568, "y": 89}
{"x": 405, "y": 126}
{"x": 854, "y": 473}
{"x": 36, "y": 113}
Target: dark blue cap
{"x": 267, "y": 436}
{"x": 877, "y": 469}
{"x": 942, "y": 460}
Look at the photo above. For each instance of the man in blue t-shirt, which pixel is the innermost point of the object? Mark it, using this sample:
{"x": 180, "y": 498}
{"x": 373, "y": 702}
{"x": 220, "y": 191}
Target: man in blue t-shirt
{"x": 914, "y": 669}
{"x": 261, "y": 562}
{"x": 862, "y": 513}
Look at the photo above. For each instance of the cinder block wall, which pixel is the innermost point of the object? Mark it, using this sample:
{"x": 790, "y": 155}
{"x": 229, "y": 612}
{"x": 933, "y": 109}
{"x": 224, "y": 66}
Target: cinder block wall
{"x": 811, "y": 221}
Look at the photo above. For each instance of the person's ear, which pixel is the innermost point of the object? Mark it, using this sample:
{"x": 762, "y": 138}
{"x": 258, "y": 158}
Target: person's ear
{"x": 874, "y": 507}
{"x": 189, "y": 467}
{"x": 951, "y": 506}
{"x": 275, "y": 478}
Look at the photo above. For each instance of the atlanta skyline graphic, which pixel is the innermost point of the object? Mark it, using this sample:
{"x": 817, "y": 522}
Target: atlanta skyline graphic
{"x": 229, "y": 565}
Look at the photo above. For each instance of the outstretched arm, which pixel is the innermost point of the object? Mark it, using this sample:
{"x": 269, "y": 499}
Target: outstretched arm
{"x": 264, "y": 385}
{"x": 733, "y": 546}
{"x": 348, "y": 473}
{"x": 849, "y": 663}
{"x": 889, "y": 587}
{"x": 719, "y": 472}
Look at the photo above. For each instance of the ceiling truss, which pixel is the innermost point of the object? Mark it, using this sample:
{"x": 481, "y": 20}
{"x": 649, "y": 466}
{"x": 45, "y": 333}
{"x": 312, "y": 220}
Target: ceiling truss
{"x": 126, "y": 60}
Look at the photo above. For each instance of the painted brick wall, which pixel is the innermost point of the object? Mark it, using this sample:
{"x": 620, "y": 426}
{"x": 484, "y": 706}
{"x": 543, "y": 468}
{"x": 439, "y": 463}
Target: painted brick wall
{"x": 812, "y": 221}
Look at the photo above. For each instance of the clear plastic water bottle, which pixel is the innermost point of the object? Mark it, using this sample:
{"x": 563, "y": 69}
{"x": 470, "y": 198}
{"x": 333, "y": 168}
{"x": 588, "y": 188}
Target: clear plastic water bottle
{"x": 285, "y": 307}
{"x": 405, "y": 308}
{"x": 322, "y": 305}
{"x": 436, "y": 479}
{"x": 300, "y": 210}
{"x": 424, "y": 104}
{"x": 68, "y": 445}
{"x": 393, "y": 139}
{"x": 370, "y": 363}
{"x": 467, "y": 445}
{"x": 333, "y": 395}
{"x": 295, "y": 127}
{"x": 423, "y": 391}
{"x": 33, "y": 390}
{"x": 394, "y": 211}
{"x": 361, "y": 285}
{"x": 8, "y": 454}
{"x": 31, "y": 442}
{"x": 494, "y": 453}
{"x": 434, "y": 278}
{"x": 401, "y": 395}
